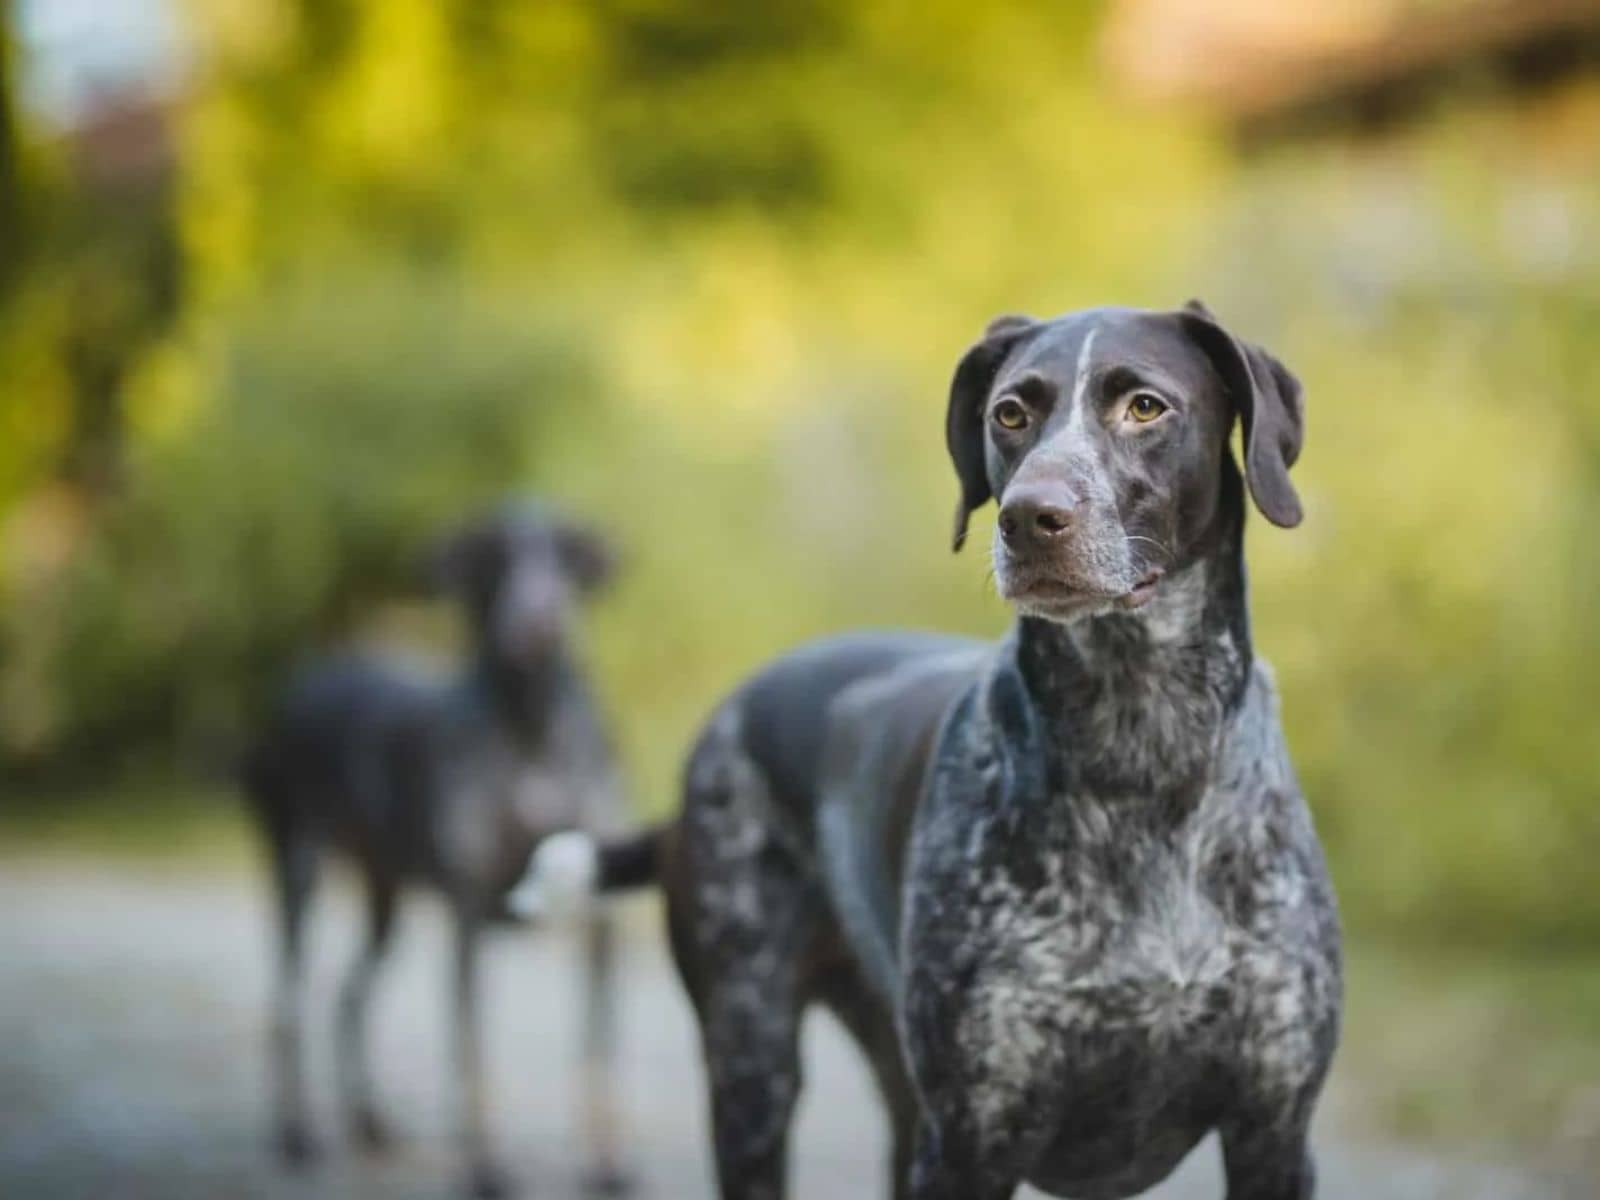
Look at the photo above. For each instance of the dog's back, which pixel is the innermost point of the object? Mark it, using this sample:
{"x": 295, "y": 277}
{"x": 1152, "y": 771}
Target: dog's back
{"x": 345, "y": 759}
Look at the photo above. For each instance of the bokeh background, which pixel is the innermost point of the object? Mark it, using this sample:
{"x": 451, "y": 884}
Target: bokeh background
{"x": 288, "y": 286}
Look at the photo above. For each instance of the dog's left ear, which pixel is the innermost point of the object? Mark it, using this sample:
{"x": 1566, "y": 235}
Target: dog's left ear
{"x": 964, "y": 420}
{"x": 1271, "y": 407}
{"x": 587, "y": 555}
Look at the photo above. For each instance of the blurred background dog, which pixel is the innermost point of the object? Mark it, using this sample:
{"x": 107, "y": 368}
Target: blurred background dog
{"x": 450, "y": 782}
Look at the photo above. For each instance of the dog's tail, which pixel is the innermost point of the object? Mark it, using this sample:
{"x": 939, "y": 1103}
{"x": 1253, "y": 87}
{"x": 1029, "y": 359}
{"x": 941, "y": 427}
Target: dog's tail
{"x": 568, "y": 871}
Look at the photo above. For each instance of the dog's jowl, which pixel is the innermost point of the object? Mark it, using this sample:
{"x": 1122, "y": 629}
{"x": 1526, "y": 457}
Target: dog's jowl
{"x": 1064, "y": 889}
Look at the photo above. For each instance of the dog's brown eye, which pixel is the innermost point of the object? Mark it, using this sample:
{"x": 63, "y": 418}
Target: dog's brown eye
{"x": 1010, "y": 414}
{"x": 1146, "y": 406}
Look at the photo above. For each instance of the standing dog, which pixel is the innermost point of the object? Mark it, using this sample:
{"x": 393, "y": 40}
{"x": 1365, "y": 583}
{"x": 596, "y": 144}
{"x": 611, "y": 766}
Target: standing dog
{"x": 449, "y": 782}
{"x": 1064, "y": 890}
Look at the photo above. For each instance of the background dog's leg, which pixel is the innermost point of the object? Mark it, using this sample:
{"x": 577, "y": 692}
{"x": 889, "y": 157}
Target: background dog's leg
{"x": 606, "y": 1176}
{"x": 1266, "y": 1160}
{"x": 355, "y": 1076}
{"x": 486, "y": 1180}
{"x": 294, "y": 862}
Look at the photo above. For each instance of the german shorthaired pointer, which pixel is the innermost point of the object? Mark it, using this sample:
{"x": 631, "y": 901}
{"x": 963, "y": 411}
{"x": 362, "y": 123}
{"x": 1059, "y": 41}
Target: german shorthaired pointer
{"x": 1064, "y": 890}
{"x": 448, "y": 782}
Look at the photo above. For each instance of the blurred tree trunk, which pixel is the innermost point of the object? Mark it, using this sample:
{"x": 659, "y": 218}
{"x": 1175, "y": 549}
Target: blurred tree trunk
{"x": 11, "y": 232}
{"x": 125, "y": 276}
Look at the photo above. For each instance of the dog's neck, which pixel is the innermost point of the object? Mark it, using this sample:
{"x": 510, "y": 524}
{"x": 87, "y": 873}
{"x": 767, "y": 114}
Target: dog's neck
{"x": 522, "y": 696}
{"x": 1137, "y": 701}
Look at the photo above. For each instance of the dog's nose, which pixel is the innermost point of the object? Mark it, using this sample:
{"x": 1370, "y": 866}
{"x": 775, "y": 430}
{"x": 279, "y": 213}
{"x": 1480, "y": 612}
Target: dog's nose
{"x": 1036, "y": 515}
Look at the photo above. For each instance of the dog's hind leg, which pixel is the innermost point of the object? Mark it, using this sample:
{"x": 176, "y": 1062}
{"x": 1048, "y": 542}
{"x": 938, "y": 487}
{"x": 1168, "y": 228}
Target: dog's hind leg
{"x": 293, "y": 861}
{"x": 750, "y": 1026}
{"x": 355, "y": 1075}
{"x": 741, "y": 924}
{"x": 605, "y": 1176}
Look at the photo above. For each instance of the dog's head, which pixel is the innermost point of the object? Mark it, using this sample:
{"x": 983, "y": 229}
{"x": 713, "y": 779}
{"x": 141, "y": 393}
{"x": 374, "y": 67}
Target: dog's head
{"x": 1104, "y": 436}
{"x": 520, "y": 571}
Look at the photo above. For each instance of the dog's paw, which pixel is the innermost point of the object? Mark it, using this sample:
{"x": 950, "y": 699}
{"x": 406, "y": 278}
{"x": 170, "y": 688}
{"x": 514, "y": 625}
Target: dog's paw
{"x": 297, "y": 1147}
{"x": 560, "y": 880}
{"x": 372, "y": 1133}
{"x": 489, "y": 1182}
{"x": 607, "y": 1181}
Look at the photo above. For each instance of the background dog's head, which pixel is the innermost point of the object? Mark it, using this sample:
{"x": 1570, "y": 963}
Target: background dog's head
{"x": 520, "y": 571}
{"x": 1104, "y": 436}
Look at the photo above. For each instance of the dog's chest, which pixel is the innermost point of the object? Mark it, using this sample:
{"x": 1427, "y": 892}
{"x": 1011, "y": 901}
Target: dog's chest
{"x": 539, "y": 794}
{"x": 502, "y": 798}
{"x": 1124, "y": 941}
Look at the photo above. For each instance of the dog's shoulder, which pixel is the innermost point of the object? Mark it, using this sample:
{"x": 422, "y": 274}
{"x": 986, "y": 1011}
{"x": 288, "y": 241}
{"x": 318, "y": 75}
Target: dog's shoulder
{"x": 1254, "y": 794}
{"x": 1258, "y": 848}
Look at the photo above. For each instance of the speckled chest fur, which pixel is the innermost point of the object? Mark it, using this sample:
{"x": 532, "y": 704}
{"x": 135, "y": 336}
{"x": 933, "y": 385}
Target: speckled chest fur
{"x": 1119, "y": 927}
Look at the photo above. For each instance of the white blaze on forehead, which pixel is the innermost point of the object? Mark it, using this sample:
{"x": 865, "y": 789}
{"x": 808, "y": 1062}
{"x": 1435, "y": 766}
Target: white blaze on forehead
{"x": 1080, "y": 382}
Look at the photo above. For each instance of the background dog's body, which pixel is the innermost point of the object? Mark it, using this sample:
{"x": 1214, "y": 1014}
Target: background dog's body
{"x": 1065, "y": 890}
{"x": 445, "y": 781}
{"x": 425, "y": 777}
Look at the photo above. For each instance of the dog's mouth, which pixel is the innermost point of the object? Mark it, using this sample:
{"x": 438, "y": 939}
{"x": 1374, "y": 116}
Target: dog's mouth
{"x": 1051, "y": 596}
{"x": 1140, "y": 593}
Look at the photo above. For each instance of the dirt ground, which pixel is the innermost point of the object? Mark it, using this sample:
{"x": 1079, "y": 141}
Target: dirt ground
{"x": 131, "y": 1064}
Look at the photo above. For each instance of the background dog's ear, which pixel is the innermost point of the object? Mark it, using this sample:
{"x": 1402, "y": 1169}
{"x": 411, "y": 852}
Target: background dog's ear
{"x": 964, "y": 420}
{"x": 449, "y": 564}
{"x": 587, "y": 555}
{"x": 1271, "y": 408}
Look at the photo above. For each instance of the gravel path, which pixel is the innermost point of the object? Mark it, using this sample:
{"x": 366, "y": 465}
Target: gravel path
{"x": 131, "y": 1064}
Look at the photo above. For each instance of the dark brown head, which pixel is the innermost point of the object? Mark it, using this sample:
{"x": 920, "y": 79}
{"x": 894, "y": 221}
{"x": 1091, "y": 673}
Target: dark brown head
{"x": 519, "y": 572}
{"x": 1104, "y": 435}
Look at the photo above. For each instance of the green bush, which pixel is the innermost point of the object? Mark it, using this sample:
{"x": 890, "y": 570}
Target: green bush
{"x": 1434, "y": 623}
{"x": 341, "y": 423}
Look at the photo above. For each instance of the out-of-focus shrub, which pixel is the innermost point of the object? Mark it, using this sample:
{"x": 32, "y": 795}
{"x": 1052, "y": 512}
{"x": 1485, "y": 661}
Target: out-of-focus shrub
{"x": 336, "y": 424}
{"x": 1435, "y": 623}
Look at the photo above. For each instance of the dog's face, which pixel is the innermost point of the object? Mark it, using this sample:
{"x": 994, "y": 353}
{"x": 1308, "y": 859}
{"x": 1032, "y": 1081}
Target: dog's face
{"x": 1104, "y": 436}
{"x": 520, "y": 572}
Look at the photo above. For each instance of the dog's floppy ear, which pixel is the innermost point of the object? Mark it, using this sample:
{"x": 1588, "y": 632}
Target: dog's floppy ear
{"x": 450, "y": 563}
{"x": 587, "y": 555}
{"x": 963, "y": 429}
{"x": 1271, "y": 408}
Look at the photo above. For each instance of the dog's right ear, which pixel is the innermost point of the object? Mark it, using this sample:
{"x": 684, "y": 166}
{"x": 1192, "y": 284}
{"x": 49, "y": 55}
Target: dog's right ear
{"x": 448, "y": 565}
{"x": 963, "y": 429}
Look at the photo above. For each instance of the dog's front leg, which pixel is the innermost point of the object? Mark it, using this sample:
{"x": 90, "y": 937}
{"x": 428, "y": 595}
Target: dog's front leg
{"x": 953, "y": 1168}
{"x": 1268, "y": 1160}
{"x": 1266, "y": 1149}
{"x": 606, "y": 1176}
{"x": 485, "y": 1179}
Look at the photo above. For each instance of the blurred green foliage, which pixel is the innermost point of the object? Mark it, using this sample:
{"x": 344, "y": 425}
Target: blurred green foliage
{"x": 289, "y": 507}
{"x": 702, "y": 269}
